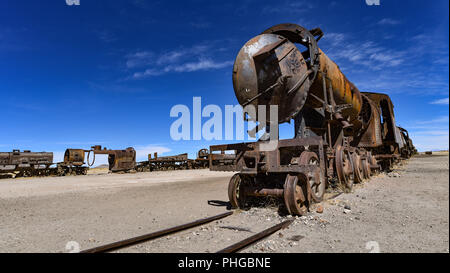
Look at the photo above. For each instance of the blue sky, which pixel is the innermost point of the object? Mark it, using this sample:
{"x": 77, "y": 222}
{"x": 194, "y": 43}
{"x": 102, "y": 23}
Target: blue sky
{"x": 108, "y": 72}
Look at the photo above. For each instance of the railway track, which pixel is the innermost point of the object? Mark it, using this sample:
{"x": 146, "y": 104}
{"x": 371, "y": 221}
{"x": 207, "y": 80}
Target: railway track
{"x": 161, "y": 233}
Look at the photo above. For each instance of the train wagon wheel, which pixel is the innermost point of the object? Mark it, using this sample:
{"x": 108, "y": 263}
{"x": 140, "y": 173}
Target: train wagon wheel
{"x": 316, "y": 179}
{"x": 372, "y": 161}
{"x": 366, "y": 167}
{"x": 236, "y": 192}
{"x": 357, "y": 167}
{"x": 296, "y": 193}
{"x": 344, "y": 168}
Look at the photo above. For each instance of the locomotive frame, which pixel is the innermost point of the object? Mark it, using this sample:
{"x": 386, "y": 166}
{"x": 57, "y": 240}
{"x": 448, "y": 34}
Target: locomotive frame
{"x": 330, "y": 145}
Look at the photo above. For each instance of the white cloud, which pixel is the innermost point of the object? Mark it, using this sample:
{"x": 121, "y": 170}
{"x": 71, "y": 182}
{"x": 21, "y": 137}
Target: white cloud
{"x": 432, "y": 135}
{"x": 201, "y": 64}
{"x": 139, "y": 59}
{"x": 388, "y": 22}
{"x": 430, "y": 142}
{"x": 184, "y": 59}
{"x": 443, "y": 101}
{"x": 375, "y": 65}
{"x": 441, "y": 119}
{"x": 296, "y": 6}
{"x": 334, "y": 38}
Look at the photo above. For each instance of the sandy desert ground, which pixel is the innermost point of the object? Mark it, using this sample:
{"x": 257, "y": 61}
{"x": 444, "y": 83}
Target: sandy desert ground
{"x": 406, "y": 210}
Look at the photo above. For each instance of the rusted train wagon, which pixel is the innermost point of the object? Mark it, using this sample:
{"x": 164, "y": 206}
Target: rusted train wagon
{"x": 174, "y": 162}
{"x": 26, "y": 163}
{"x": 342, "y": 135}
{"x": 164, "y": 163}
{"x": 202, "y": 160}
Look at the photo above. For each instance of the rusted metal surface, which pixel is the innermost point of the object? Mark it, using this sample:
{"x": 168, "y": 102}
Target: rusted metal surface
{"x": 118, "y": 160}
{"x": 251, "y": 159}
{"x": 74, "y": 157}
{"x": 73, "y": 163}
{"x": 408, "y": 149}
{"x": 154, "y": 235}
{"x": 174, "y": 162}
{"x": 342, "y": 135}
{"x": 16, "y": 157}
{"x": 25, "y": 163}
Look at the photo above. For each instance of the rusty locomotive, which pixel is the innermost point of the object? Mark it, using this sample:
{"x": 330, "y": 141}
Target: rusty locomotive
{"x": 342, "y": 135}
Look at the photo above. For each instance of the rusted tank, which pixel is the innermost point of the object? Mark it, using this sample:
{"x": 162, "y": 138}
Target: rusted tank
{"x": 16, "y": 157}
{"x": 271, "y": 70}
{"x": 25, "y": 163}
{"x": 73, "y": 163}
{"x": 74, "y": 157}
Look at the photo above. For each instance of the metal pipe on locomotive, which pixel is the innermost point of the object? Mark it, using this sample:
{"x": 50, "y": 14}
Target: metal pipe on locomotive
{"x": 339, "y": 136}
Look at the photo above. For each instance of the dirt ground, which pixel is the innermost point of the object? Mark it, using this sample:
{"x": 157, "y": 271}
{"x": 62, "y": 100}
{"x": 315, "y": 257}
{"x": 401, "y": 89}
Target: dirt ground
{"x": 406, "y": 210}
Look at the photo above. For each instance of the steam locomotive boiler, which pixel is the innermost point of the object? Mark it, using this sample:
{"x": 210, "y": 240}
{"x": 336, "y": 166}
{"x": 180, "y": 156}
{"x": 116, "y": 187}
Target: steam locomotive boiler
{"x": 342, "y": 135}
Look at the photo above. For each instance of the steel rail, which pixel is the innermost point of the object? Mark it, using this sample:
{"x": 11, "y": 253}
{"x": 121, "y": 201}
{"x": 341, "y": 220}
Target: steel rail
{"x": 255, "y": 238}
{"x": 154, "y": 235}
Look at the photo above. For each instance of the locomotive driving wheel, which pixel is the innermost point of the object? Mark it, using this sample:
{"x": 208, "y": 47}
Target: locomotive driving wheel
{"x": 236, "y": 191}
{"x": 316, "y": 179}
{"x": 344, "y": 168}
{"x": 296, "y": 194}
{"x": 357, "y": 167}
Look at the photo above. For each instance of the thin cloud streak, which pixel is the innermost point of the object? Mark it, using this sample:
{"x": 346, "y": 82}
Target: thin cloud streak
{"x": 388, "y": 22}
{"x": 184, "y": 59}
{"x": 443, "y": 101}
{"x": 204, "y": 64}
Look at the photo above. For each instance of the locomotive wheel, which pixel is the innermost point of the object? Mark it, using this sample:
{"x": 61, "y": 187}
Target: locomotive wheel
{"x": 372, "y": 161}
{"x": 344, "y": 168}
{"x": 315, "y": 179}
{"x": 296, "y": 193}
{"x": 236, "y": 192}
{"x": 357, "y": 167}
{"x": 366, "y": 167}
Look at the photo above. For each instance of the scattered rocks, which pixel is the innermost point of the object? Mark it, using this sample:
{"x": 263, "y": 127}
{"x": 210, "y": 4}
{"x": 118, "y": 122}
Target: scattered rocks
{"x": 393, "y": 174}
{"x": 296, "y": 238}
{"x": 319, "y": 209}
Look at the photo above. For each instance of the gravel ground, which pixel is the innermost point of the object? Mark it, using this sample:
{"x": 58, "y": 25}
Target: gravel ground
{"x": 406, "y": 210}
